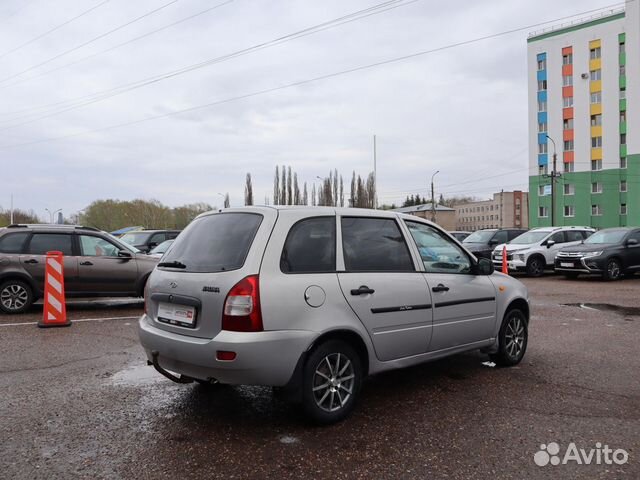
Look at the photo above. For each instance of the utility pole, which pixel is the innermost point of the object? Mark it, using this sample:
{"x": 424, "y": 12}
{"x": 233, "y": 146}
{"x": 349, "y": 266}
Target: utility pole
{"x": 553, "y": 175}
{"x": 375, "y": 176}
{"x": 433, "y": 199}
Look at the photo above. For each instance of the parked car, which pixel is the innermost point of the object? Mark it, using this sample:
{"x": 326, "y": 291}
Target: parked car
{"x": 534, "y": 251}
{"x": 611, "y": 253}
{"x": 161, "y": 249}
{"x": 315, "y": 299}
{"x": 95, "y": 264}
{"x": 459, "y": 235}
{"x": 146, "y": 240}
{"x": 482, "y": 242}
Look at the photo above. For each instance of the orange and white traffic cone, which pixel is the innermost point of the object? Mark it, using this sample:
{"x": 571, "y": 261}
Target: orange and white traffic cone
{"x": 505, "y": 265}
{"x": 54, "y": 313}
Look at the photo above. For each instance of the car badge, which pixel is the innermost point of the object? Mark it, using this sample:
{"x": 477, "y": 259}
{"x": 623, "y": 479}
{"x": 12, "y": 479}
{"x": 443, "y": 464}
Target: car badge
{"x": 173, "y": 285}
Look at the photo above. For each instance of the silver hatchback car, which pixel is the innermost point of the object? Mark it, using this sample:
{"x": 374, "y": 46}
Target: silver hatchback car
{"x": 314, "y": 299}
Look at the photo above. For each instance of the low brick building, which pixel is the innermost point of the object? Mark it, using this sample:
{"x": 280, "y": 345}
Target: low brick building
{"x": 445, "y": 216}
{"x": 504, "y": 210}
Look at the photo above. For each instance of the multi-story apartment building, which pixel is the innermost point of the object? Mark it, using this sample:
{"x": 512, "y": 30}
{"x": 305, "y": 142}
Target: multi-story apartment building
{"x": 584, "y": 106}
{"x": 504, "y": 210}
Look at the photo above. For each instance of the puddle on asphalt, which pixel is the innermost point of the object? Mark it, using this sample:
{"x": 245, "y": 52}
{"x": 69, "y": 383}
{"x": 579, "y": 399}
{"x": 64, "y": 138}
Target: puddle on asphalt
{"x": 136, "y": 376}
{"x": 607, "y": 307}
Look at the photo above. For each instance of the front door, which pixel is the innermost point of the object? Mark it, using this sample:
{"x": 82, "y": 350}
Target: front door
{"x": 381, "y": 284}
{"x": 101, "y": 271}
{"x": 464, "y": 304}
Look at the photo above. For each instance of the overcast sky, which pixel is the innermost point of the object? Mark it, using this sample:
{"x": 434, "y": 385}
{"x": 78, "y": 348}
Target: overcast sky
{"x": 462, "y": 111}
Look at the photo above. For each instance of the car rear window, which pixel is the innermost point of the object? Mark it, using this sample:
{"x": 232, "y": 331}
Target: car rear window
{"x": 215, "y": 243}
{"x": 310, "y": 246}
{"x": 13, "y": 242}
{"x": 41, "y": 243}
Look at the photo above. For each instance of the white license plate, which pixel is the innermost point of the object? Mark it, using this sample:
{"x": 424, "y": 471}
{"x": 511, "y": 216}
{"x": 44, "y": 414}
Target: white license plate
{"x": 176, "y": 314}
{"x": 564, "y": 264}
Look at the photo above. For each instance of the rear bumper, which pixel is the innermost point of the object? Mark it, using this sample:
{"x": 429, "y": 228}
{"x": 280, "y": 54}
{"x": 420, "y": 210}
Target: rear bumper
{"x": 262, "y": 358}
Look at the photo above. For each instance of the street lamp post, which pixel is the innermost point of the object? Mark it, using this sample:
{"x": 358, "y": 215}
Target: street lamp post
{"x": 433, "y": 198}
{"x": 553, "y": 175}
{"x": 51, "y": 214}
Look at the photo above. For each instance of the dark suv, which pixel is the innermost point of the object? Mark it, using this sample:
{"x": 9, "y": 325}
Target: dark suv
{"x": 482, "y": 242}
{"x": 147, "y": 240}
{"x": 610, "y": 252}
{"x": 95, "y": 264}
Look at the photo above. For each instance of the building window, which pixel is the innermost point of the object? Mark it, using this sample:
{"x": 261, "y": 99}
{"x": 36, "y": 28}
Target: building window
{"x": 568, "y": 167}
{"x": 542, "y": 127}
{"x": 542, "y": 190}
{"x": 595, "y": 75}
{"x": 567, "y": 124}
{"x": 542, "y": 85}
{"x": 567, "y": 102}
{"x": 623, "y": 116}
{"x": 623, "y": 93}
{"x": 568, "y": 145}
{"x": 596, "y": 210}
{"x": 594, "y": 53}
{"x": 567, "y": 59}
{"x": 543, "y": 212}
{"x": 623, "y": 162}
{"x": 596, "y": 165}
{"x": 542, "y": 106}
{"x": 542, "y": 169}
{"x": 542, "y": 64}
{"x": 569, "y": 211}
{"x": 596, "y": 187}
{"x": 623, "y": 209}
{"x": 567, "y": 80}
{"x": 621, "y": 48}
{"x": 569, "y": 189}
{"x": 623, "y": 139}
{"x": 622, "y": 70}
{"x": 596, "y": 142}
{"x": 596, "y": 97}
{"x": 596, "y": 120}
{"x": 542, "y": 148}
{"x": 623, "y": 185}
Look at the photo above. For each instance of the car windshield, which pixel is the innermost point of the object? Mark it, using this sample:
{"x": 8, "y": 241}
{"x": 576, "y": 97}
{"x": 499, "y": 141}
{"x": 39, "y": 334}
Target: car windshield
{"x": 529, "y": 237}
{"x": 138, "y": 238}
{"x": 607, "y": 236}
{"x": 163, "y": 247}
{"x": 481, "y": 236}
{"x": 214, "y": 243}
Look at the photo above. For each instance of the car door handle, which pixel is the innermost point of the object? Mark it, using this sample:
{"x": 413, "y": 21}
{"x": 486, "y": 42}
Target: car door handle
{"x": 31, "y": 260}
{"x": 440, "y": 288}
{"x": 86, "y": 263}
{"x": 363, "y": 290}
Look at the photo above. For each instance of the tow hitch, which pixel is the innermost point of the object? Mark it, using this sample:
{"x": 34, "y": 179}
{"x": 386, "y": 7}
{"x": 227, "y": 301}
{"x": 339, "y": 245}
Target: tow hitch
{"x": 169, "y": 375}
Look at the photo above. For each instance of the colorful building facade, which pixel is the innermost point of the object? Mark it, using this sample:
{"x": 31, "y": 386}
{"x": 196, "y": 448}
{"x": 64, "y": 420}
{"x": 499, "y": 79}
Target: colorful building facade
{"x": 584, "y": 106}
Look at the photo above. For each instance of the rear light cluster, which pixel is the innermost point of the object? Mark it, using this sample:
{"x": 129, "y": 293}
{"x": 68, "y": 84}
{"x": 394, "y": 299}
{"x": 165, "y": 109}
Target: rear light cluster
{"x": 242, "y": 307}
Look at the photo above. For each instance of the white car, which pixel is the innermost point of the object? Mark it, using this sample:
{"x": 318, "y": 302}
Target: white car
{"x": 534, "y": 251}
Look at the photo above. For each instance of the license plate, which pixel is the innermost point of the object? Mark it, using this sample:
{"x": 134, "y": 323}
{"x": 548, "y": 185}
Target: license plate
{"x": 175, "y": 314}
{"x": 565, "y": 264}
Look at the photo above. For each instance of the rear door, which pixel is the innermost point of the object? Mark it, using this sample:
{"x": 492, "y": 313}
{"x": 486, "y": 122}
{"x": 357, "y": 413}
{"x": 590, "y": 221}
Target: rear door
{"x": 101, "y": 271}
{"x": 33, "y": 261}
{"x": 464, "y": 304}
{"x": 383, "y": 287}
{"x": 550, "y": 252}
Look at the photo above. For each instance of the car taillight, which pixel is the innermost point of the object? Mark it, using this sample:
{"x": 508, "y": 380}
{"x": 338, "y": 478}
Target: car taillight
{"x": 242, "y": 307}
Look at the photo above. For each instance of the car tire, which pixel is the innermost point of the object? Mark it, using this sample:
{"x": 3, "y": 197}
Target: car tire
{"x": 16, "y": 296}
{"x": 512, "y": 338}
{"x": 613, "y": 270}
{"x": 535, "y": 266}
{"x": 331, "y": 381}
{"x": 571, "y": 276}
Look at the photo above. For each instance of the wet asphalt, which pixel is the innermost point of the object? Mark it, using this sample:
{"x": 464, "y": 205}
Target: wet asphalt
{"x": 80, "y": 402}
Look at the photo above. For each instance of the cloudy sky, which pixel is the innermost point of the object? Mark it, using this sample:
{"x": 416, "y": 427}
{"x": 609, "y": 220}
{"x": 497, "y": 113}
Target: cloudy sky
{"x": 86, "y": 110}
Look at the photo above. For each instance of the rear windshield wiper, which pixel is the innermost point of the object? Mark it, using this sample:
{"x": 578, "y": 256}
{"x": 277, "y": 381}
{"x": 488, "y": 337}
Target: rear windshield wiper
{"x": 174, "y": 264}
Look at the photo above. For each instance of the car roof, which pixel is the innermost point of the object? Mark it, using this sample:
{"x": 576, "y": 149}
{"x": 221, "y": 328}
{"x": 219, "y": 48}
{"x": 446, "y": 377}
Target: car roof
{"x": 47, "y": 227}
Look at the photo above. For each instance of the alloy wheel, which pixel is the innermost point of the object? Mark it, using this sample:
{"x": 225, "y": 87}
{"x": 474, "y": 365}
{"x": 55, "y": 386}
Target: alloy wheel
{"x": 613, "y": 269}
{"x": 14, "y": 297}
{"x": 514, "y": 337}
{"x": 333, "y": 382}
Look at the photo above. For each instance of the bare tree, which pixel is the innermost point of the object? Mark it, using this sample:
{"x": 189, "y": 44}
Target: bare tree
{"x": 297, "y": 200}
{"x": 248, "y": 191}
{"x": 352, "y": 198}
{"x": 283, "y": 187}
{"x": 289, "y": 187}
{"x": 227, "y": 202}
{"x": 341, "y": 192}
{"x": 313, "y": 195}
{"x": 276, "y": 187}
{"x": 305, "y": 196}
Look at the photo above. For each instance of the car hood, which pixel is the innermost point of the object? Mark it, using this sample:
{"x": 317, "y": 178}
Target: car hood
{"x": 511, "y": 248}
{"x": 585, "y": 247}
{"x": 476, "y": 246}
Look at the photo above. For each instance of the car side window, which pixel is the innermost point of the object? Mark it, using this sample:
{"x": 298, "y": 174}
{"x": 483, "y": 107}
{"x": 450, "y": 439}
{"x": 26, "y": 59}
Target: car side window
{"x": 41, "y": 243}
{"x": 157, "y": 238}
{"x": 586, "y": 234}
{"x": 91, "y": 246}
{"x": 310, "y": 246}
{"x": 374, "y": 245}
{"x": 13, "y": 242}
{"x": 500, "y": 237}
{"x": 635, "y": 235}
{"x": 171, "y": 235}
{"x": 438, "y": 253}
{"x": 557, "y": 237}
{"x": 574, "y": 236}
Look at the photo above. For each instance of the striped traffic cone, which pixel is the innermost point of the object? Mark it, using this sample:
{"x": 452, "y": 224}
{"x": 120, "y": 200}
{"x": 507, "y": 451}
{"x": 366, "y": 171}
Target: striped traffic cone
{"x": 54, "y": 313}
{"x": 505, "y": 265}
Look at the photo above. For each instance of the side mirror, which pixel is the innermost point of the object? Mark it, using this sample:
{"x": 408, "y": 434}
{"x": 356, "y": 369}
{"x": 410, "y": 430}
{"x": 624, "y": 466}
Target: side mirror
{"x": 550, "y": 243}
{"x": 631, "y": 242}
{"x": 485, "y": 266}
{"x": 152, "y": 245}
{"x": 124, "y": 254}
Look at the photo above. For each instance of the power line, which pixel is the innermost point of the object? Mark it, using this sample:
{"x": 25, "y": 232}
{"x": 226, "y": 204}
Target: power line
{"x": 53, "y": 29}
{"x": 294, "y": 84}
{"x": 66, "y": 52}
{"x": 105, "y": 94}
